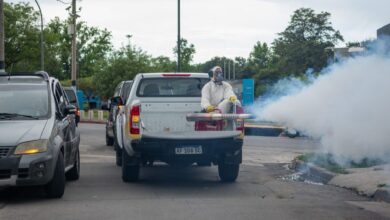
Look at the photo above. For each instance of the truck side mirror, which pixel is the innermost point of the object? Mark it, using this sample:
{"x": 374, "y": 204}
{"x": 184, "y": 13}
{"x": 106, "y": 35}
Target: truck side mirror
{"x": 115, "y": 101}
{"x": 70, "y": 110}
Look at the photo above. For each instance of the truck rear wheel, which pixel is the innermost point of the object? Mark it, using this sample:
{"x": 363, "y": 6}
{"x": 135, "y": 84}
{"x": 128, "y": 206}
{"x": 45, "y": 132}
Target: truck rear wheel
{"x": 109, "y": 140}
{"x": 130, "y": 169}
{"x": 228, "y": 172}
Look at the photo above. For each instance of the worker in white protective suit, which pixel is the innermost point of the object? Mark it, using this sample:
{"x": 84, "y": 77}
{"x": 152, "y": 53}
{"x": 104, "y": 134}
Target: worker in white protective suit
{"x": 218, "y": 94}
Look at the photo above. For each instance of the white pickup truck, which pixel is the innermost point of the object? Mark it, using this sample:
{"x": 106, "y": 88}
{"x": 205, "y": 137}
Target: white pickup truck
{"x": 153, "y": 127}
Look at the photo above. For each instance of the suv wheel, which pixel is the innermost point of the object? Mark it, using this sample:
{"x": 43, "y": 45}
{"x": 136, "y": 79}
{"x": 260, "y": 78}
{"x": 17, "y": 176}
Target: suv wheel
{"x": 109, "y": 140}
{"x": 118, "y": 152}
{"x": 130, "y": 170}
{"x": 74, "y": 173}
{"x": 56, "y": 187}
{"x": 228, "y": 172}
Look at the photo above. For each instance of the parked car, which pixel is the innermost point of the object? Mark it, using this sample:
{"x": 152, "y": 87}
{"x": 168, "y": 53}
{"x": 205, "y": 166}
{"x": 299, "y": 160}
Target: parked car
{"x": 72, "y": 97}
{"x": 39, "y": 142}
{"x": 153, "y": 127}
{"x": 122, "y": 90}
{"x": 291, "y": 132}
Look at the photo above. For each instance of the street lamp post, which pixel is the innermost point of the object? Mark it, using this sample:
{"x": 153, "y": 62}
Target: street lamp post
{"x": 74, "y": 46}
{"x": 42, "y": 43}
{"x": 178, "y": 37}
{"x": 2, "y": 57}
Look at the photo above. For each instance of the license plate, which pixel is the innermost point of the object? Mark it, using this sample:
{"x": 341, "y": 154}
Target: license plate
{"x": 189, "y": 150}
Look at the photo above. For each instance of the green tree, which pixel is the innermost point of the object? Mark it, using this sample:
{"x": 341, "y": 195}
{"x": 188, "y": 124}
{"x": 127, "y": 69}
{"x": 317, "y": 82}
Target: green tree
{"x": 94, "y": 45}
{"x": 240, "y": 65}
{"x": 187, "y": 52}
{"x": 58, "y": 52}
{"x": 124, "y": 64}
{"x": 258, "y": 61}
{"x": 353, "y": 44}
{"x": 304, "y": 43}
{"x": 162, "y": 64}
{"x": 22, "y": 47}
{"x": 260, "y": 56}
{"x": 21, "y": 37}
{"x": 93, "y": 48}
{"x": 215, "y": 61}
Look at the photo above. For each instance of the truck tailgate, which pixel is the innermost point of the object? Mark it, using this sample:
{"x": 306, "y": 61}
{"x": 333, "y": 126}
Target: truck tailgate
{"x": 168, "y": 116}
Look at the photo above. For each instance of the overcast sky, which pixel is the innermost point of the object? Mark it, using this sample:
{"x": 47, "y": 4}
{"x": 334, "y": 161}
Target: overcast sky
{"x": 217, "y": 27}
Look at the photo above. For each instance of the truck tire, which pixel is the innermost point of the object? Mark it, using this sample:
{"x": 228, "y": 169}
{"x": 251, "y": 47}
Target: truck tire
{"x": 130, "y": 170}
{"x": 56, "y": 187}
{"x": 109, "y": 140}
{"x": 74, "y": 173}
{"x": 118, "y": 152}
{"x": 228, "y": 172}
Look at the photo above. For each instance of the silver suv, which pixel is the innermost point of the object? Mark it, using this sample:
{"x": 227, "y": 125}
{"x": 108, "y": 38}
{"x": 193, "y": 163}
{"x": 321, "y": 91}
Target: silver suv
{"x": 39, "y": 143}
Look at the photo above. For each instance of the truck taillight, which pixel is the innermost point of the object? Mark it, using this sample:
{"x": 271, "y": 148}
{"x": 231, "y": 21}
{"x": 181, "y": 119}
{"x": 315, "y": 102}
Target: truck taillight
{"x": 134, "y": 122}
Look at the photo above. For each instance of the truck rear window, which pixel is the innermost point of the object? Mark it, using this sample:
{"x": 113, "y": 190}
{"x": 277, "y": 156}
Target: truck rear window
{"x": 171, "y": 87}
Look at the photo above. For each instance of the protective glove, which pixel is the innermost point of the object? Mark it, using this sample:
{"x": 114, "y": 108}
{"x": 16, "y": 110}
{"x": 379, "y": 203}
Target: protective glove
{"x": 233, "y": 99}
{"x": 210, "y": 108}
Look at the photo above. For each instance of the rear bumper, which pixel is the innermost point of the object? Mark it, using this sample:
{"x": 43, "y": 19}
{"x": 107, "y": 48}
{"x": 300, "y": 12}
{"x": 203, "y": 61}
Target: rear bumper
{"x": 228, "y": 150}
{"x": 25, "y": 170}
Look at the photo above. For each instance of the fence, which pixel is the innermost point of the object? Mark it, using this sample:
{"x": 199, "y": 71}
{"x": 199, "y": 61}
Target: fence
{"x": 93, "y": 116}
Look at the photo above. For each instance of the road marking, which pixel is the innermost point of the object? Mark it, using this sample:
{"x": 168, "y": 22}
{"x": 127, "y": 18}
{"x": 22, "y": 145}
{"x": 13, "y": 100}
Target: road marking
{"x": 88, "y": 158}
{"x": 98, "y": 156}
{"x": 250, "y": 162}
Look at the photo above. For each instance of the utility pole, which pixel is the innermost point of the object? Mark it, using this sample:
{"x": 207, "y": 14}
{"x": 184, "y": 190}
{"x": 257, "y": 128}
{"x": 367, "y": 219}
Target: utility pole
{"x": 234, "y": 70}
{"x": 74, "y": 45}
{"x": 2, "y": 48}
{"x": 178, "y": 38}
{"x": 229, "y": 69}
{"x": 42, "y": 43}
{"x": 224, "y": 69}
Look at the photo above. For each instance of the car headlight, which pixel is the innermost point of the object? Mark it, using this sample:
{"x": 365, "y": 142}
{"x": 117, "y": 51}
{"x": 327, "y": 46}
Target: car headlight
{"x": 31, "y": 147}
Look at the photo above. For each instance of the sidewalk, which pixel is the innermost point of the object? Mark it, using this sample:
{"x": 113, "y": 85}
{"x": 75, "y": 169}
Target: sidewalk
{"x": 372, "y": 182}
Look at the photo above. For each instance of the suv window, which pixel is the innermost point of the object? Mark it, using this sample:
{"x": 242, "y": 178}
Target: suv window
{"x": 171, "y": 87}
{"x": 25, "y": 99}
{"x": 60, "y": 98}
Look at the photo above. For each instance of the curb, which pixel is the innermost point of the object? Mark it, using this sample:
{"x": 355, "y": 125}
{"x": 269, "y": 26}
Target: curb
{"x": 262, "y": 131}
{"x": 318, "y": 174}
{"x": 382, "y": 195}
{"x": 312, "y": 172}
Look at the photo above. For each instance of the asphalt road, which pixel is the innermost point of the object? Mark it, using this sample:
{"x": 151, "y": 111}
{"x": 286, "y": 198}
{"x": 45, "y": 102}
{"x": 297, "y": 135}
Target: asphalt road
{"x": 190, "y": 193}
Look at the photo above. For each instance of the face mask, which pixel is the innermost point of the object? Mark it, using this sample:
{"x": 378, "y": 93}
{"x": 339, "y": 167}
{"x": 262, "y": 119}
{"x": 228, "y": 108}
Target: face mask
{"x": 219, "y": 77}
